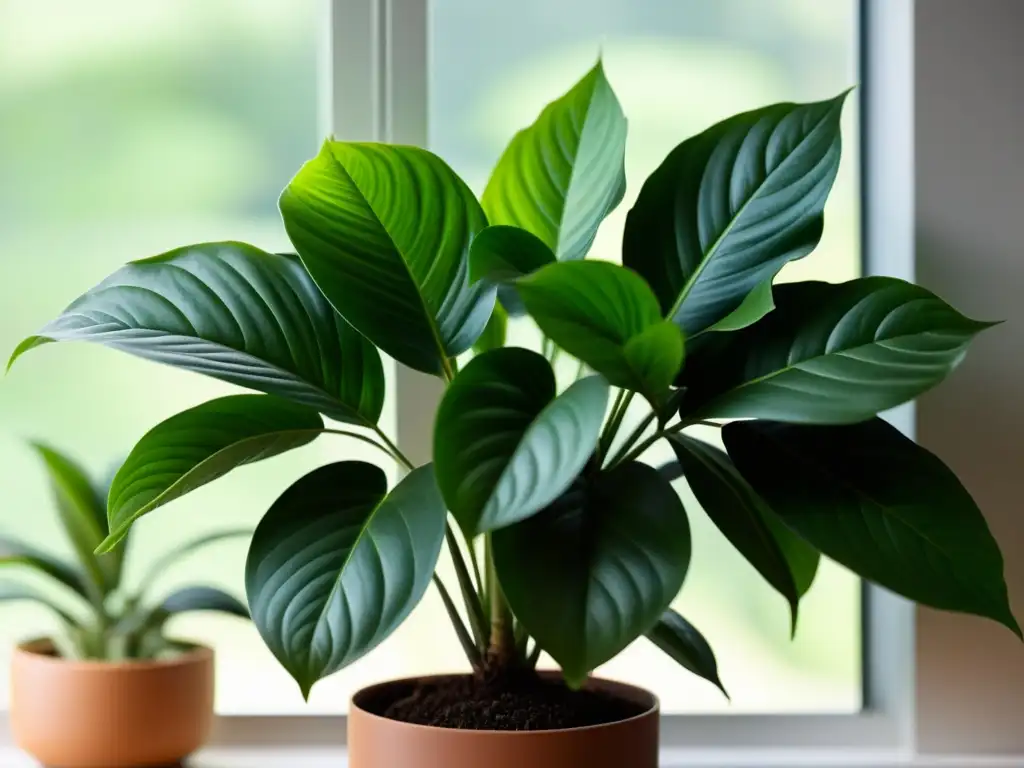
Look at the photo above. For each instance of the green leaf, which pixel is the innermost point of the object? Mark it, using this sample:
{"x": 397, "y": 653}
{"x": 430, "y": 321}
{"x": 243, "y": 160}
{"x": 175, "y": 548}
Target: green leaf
{"x": 758, "y": 303}
{"x": 495, "y": 333}
{"x": 560, "y": 177}
{"x": 338, "y": 563}
{"x": 82, "y": 516}
{"x": 887, "y": 509}
{"x": 829, "y": 354}
{"x": 727, "y": 209}
{"x": 168, "y": 559}
{"x": 686, "y": 646}
{"x": 385, "y": 232}
{"x": 606, "y": 316}
{"x": 500, "y": 254}
{"x": 11, "y": 591}
{"x": 14, "y": 552}
{"x": 596, "y": 569}
{"x": 743, "y": 518}
{"x": 197, "y": 446}
{"x": 238, "y": 314}
{"x": 504, "y": 445}
{"x": 202, "y": 598}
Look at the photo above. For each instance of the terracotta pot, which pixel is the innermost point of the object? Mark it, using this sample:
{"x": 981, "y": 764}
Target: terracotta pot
{"x": 92, "y": 714}
{"x": 378, "y": 742}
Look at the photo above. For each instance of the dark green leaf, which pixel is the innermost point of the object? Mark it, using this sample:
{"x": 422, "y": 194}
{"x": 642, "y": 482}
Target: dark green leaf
{"x": 758, "y": 303}
{"x": 680, "y": 639}
{"x": 503, "y": 253}
{"x": 11, "y": 591}
{"x": 238, "y": 314}
{"x": 730, "y": 207}
{"x": 167, "y": 560}
{"x": 197, "y": 446}
{"x": 504, "y": 445}
{"x": 495, "y": 333}
{"x": 337, "y": 564}
{"x": 560, "y": 177}
{"x": 202, "y": 598}
{"x": 829, "y": 354}
{"x": 385, "y": 232}
{"x": 597, "y": 568}
{"x": 14, "y": 552}
{"x": 889, "y": 510}
{"x": 606, "y": 316}
{"x": 742, "y": 517}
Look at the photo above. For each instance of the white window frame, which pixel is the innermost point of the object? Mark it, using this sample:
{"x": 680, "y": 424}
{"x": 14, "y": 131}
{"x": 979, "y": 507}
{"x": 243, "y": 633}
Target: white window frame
{"x": 374, "y": 78}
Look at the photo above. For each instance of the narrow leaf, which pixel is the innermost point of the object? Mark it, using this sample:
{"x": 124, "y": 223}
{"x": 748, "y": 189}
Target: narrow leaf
{"x": 680, "y": 639}
{"x": 337, "y": 564}
{"x": 14, "y": 552}
{"x": 202, "y": 598}
{"x": 197, "y": 446}
{"x": 504, "y": 445}
{"x": 871, "y": 499}
{"x": 11, "y": 591}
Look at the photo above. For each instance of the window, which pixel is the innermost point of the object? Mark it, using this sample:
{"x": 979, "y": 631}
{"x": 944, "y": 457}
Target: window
{"x": 131, "y": 128}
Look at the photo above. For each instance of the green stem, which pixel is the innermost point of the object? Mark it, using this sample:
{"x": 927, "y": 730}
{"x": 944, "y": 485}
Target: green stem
{"x": 471, "y": 651}
{"x": 475, "y": 563}
{"x": 619, "y": 409}
{"x": 635, "y": 435}
{"x": 393, "y": 449}
{"x": 502, "y": 646}
{"x": 448, "y": 368}
{"x": 638, "y": 451}
{"x": 470, "y": 598}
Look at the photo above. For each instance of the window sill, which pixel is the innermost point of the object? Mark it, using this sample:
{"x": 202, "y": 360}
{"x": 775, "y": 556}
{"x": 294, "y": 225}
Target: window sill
{"x": 335, "y": 758}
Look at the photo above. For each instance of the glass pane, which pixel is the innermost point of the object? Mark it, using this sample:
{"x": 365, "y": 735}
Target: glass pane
{"x": 128, "y": 128}
{"x": 678, "y": 66}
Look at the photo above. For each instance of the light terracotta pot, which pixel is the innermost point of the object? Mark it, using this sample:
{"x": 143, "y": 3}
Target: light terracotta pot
{"x": 92, "y": 714}
{"x": 378, "y": 742}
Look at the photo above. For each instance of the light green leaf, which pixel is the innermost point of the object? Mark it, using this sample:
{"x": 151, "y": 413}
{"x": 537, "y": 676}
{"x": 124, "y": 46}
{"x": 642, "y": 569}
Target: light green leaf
{"x": 14, "y": 552}
{"x": 596, "y": 569}
{"x": 197, "y": 446}
{"x": 744, "y": 518}
{"x": 495, "y": 333}
{"x": 727, "y": 209}
{"x": 606, "y": 316}
{"x": 829, "y": 354}
{"x": 758, "y": 303}
{"x": 872, "y": 500}
{"x": 236, "y": 313}
{"x": 338, "y": 563}
{"x": 504, "y": 445}
{"x": 385, "y": 232}
{"x": 560, "y": 177}
{"x": 680, "y": 639}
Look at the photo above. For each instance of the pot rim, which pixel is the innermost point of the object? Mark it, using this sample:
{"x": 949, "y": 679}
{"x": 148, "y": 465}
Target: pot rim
{"x": 41, "y": 650}
{"x": 614, "y": 686}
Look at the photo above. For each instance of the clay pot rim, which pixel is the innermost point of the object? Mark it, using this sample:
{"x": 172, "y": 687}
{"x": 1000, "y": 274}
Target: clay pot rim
{"x": 617, "y": 687}
{"x": 40, "y": 650}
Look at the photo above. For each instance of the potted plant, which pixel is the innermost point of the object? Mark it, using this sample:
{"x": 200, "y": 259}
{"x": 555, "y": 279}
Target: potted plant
{"x": 111, "y": 673}
{"x": 563, "y": 540}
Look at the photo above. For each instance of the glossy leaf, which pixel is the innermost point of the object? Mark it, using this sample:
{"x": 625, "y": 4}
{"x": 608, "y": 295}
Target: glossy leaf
{"x": 560, "y": 177}
{"x": 502, "y": 253}
{"x": 504, "y": 445}
{"x": 385, "y": 232}
{"x": 874, "y": 501}
{"x": 495, "y": 333}
{"x": 596, "y": 569}
{"x": 727, "y": 209}
{"x": 11, "y": 591}
{"x": 81, "y": 514}
{"x": 744, "y": 518}
{"x": 338, "y": 563}
{"x": 829, "y": 354}
{"x": 686, "y": 646}
{"x": 606, "y": 316}
{"x": 758, "y": 303}
{"x": 236, "y": 313}
{"x": 197, "y": 446}
{"x": 14, "y": 552}
{"x": 171, "y": 557}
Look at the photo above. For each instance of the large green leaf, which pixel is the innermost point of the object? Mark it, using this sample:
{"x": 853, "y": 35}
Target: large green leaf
{"x": 727, "y": 209}
{"x": 758, "y": 303}
{"x": 873, "y": 500}
{"x": 606, "y": 316}
{"x": 238, "y": 314}
{"x": 596, "y": 569}
{"x": 81, "y": 513}
{"x": 160, "y": 566}
{"x": 560, "y": 177}
{"x": 14, "y": 552}
{"x": 337, "y": 564}
{"x": 502, "y": 253}
{"x": 680, "y": 640}
{"x": 385, "y": 232}
{"x": 829, "y": 354}
{"x": 504, "y": 445}
{"x": 197, "y": 446}
{"x": 745, "y": 520}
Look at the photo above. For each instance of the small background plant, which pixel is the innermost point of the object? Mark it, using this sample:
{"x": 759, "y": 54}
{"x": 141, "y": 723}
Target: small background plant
{"x": 101, "y": 617}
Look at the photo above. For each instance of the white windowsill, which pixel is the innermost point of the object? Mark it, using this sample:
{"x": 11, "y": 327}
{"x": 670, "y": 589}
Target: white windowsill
{"x": 335, "y": 758}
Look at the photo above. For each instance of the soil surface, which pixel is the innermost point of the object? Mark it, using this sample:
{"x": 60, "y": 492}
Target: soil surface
{"x": 526, "y": 703}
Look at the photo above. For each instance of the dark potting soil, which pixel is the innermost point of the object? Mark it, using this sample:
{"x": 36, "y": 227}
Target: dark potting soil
{"x": 527, "y": 703}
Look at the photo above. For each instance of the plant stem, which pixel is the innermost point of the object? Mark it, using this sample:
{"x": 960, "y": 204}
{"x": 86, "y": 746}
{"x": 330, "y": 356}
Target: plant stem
{"x": 614, "y": 420}
{"x": 475, "y": 563}
{"x": 470, "y": 598}
{"x": 460, "y": 629}
{"x": 635, "y": 435}
{"x": 448, "y": 368}
{"x": 393, "y": 449}
{"x": 638, "y": 451}
{"x": 502, "y": 646}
